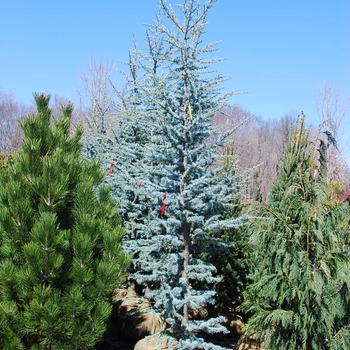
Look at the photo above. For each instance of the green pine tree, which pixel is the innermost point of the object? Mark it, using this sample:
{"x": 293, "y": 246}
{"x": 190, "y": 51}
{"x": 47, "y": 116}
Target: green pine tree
{"x": 299, "y": 292}
{"x": 60, "y": 240}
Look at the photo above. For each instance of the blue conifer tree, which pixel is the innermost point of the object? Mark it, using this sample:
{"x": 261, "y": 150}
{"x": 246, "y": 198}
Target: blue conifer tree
{"x": 165, "y": 169}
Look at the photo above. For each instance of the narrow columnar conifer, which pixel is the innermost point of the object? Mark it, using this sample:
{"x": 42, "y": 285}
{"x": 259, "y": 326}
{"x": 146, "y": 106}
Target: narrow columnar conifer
{"x": 60, "y": 240}
{"x": 299, "y": 292}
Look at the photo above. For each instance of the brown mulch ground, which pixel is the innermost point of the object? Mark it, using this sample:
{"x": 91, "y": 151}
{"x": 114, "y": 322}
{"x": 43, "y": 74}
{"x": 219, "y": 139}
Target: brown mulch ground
{"x": 112, "y": 342}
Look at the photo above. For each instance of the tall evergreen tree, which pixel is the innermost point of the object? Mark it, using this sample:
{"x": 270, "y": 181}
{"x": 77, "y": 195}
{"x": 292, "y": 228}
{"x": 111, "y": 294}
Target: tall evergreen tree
{"x": 231, "y": 262}
{"x": 60, "y": 240}
{"x": 166, "y": 173}
{"x": 299, "y": 294}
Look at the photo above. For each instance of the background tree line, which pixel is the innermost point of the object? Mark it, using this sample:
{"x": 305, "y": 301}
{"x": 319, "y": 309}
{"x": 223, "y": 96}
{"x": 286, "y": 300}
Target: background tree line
{"x": 259, "y": 143}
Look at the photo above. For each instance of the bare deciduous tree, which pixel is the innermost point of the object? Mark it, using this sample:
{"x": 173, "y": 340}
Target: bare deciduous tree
{"x": 97, "y": 96}
{"x": 11, "y": 111}
{"x": 333, "y": 111}
{"x": 260, "y": 145}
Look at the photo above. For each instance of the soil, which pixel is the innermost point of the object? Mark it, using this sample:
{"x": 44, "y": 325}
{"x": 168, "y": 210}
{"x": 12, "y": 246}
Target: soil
{"x": 112, "y": 342}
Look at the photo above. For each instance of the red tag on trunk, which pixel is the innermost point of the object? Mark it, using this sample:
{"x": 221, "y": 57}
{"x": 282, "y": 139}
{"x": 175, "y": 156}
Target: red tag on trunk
{"x": 110, "y": 171}
{"x": 162, "y": 210}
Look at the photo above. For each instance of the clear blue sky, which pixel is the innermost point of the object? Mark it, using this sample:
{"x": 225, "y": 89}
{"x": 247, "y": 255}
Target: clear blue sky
{"x": 281, "y": 52}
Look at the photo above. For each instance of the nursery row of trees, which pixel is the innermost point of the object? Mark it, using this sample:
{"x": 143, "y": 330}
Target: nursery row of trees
{"x": 172, "y": 189}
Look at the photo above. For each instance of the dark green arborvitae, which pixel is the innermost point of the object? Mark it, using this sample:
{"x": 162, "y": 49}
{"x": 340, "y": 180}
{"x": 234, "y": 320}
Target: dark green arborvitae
{"x": 60, "y": 240}
{"x": 300, "y": 291}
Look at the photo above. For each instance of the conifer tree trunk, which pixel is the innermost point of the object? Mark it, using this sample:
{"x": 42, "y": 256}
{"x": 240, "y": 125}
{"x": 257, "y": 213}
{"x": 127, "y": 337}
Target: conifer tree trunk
{"x": 186, "y": 227}
{"x": 186, "y": 258}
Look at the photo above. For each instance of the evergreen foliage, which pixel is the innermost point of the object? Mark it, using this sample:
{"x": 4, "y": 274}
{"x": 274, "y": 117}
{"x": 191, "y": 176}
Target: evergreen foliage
{"x": 299, "y": 292}
{"x": 231, "y": 261}
{"x": 173, "y": 195}
{"x": 60, "y": 240}
{"x": 232, "y": 266}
